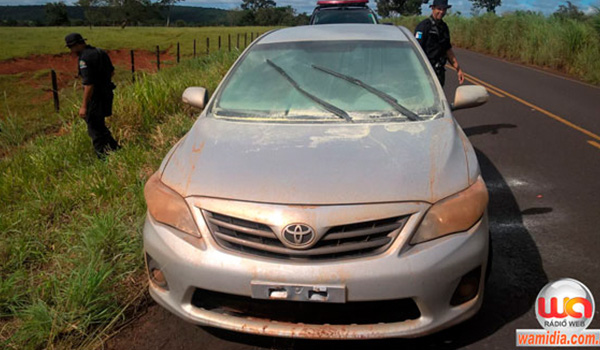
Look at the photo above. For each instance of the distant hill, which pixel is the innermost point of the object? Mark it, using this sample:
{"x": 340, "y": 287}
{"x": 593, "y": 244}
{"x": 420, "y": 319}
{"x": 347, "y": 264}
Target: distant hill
{"x": 34, "y": 13}
{"x": 189, "y": 14}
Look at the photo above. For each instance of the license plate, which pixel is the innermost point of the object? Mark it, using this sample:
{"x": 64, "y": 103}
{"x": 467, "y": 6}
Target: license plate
{"x": 299, "y": 292}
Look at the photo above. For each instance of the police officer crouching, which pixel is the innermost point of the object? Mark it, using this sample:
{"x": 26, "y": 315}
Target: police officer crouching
{"x": 434, "y": 36}
{"x": 96, "y": 71}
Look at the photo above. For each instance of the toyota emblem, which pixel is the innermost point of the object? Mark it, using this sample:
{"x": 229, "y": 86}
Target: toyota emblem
{"x": 298, "y": 235}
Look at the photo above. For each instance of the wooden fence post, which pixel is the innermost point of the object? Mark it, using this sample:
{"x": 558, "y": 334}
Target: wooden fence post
{"x": 194, "y": 48}
{"x": 132, "y": 67}
{"x": 219, "y": 43}
{"x": 55, "y": 90}
{"x": 229, "y": 42}
{"x": 237, "y": 45}
{"x": 207, "y": 45}
{"x": 245, "y": 40}
{"x": 157, "y": 58}
{"x": 178, "y": 52}
{"x": 251, "y": 37}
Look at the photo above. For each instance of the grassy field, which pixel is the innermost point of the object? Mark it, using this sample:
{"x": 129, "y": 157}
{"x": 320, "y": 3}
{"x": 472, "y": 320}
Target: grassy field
{"x": 568, "y": 46}
{"x": 71, "y": 262}
{"x": 25, "y": 41}
{"x": 26, "y": 108}
{"x": 24, "y": 111}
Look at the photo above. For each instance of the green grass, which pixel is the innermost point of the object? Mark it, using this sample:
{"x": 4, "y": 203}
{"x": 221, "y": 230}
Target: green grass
{"x": 71, "y": 260}
{"x": 568, "y": 46}
{"x": 26, "y": 41}
{"x": 26, "y": 108}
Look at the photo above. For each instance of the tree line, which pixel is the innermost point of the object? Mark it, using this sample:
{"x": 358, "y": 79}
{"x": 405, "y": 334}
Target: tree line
{"x": 266, "y": 13}
{"x": 250, "y": 13}
{"x": 111, "y": 12}
{"x": 146, "y": 12}
{"x": 391, "y": 8}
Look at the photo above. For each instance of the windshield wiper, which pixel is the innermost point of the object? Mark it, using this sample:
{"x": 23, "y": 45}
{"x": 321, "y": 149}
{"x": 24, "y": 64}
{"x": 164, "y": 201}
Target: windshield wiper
{"x": 382, "y": 95}
{"x": 329, "y": 107}
{"x": 237, "y": 113}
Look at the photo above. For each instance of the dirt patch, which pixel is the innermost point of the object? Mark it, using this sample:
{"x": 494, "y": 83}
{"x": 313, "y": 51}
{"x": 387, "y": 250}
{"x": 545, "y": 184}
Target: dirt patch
{"x": 42, "y": 81}
{"x": 35, "y": 70}
{"x": 66, "y": 63}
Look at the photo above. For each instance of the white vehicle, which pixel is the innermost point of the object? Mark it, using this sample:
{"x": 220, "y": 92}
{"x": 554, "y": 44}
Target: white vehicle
{"x": 325, "y": 191}
{"x": 343, "y": 11}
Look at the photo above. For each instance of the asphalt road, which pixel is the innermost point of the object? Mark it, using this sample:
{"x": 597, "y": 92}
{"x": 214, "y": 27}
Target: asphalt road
{"x": 538, "y": 144}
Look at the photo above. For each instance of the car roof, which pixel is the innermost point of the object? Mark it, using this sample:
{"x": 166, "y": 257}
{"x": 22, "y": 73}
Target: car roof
{"x": 328, "y": 32}
{"x": 342, "y": 2}
{"x": 342, "y": 8}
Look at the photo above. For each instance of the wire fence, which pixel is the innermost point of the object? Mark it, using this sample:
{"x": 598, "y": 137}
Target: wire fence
{"x": 241, "y": 38}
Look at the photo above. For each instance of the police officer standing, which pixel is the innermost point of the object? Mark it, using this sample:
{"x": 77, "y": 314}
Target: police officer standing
{"x": 96, "y": 71}
{"x": 434, "y": 36}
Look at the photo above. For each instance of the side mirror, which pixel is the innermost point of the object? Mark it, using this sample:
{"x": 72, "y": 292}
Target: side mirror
{"x": 195, "y": 97}
{"x": 469, "y": 96}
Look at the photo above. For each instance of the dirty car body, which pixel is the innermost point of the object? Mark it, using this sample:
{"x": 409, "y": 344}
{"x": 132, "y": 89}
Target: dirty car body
{"x": 325, "y": 192}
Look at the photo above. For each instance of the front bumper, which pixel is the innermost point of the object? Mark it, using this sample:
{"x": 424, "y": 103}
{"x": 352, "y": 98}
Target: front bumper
{"x": 428, "y": 273}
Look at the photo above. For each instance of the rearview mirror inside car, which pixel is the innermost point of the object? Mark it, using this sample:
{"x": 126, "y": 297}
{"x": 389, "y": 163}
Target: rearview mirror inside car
{"x": 469, "y": 96}
{"x": 195, "y": 96}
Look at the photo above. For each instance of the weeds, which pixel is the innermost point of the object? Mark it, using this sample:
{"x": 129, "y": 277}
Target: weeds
{"x": 566, "y": 45}
{"x": 24, "y": 110}
{"x": 26, "y": 106}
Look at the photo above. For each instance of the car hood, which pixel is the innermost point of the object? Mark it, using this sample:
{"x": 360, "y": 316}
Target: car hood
{"x": 319, "y": 164}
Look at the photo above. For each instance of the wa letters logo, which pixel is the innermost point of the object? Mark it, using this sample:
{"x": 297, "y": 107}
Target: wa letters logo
{"x": 564, "y": 308}
{"x": 566, "y": 305}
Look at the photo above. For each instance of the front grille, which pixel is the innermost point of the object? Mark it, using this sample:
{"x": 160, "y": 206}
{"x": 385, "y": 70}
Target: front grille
{"x": 346, "y": 241}
{"x": 360, "y": 313}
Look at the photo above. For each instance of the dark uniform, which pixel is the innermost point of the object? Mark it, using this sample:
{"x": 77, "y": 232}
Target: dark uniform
{"x": 95, "y": 68}
{"x": 434, "y": 37}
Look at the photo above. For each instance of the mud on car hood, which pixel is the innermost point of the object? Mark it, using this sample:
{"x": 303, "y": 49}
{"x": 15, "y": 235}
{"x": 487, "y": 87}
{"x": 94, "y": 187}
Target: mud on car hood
{"x": 320, "y": 164}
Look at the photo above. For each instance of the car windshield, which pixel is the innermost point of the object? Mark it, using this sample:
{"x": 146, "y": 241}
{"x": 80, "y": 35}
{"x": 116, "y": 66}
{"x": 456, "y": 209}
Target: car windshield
{"x": 330, "y": 16}
{"x": 333, "y": 81}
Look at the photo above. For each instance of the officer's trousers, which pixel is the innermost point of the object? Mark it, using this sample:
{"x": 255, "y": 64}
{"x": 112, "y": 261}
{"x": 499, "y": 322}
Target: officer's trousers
{"x": 102, "y": 139}
{"x": 441, "y": 75}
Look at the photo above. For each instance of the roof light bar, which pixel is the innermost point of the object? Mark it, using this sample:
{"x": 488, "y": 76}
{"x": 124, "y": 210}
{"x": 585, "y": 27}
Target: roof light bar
{"x": 341, "y": 2}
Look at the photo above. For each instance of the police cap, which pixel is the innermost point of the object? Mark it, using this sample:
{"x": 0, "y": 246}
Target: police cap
{"x": 73, "y": 39}
{"x": 441, "y": 3}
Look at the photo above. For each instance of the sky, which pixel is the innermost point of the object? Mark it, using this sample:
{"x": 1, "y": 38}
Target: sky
{"x": 464, "y": 6}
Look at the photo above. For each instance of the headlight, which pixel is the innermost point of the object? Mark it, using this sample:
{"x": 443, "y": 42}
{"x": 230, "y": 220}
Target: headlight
{"x": 168, "y": 207}
{"x": 454, "y": 214}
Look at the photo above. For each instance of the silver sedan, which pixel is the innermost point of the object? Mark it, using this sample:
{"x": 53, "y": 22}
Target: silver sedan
{"x": 325, "y": 191}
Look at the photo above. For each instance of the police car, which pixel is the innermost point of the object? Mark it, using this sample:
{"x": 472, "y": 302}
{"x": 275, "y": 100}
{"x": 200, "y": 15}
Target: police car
{"x": 348, "y": 11}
